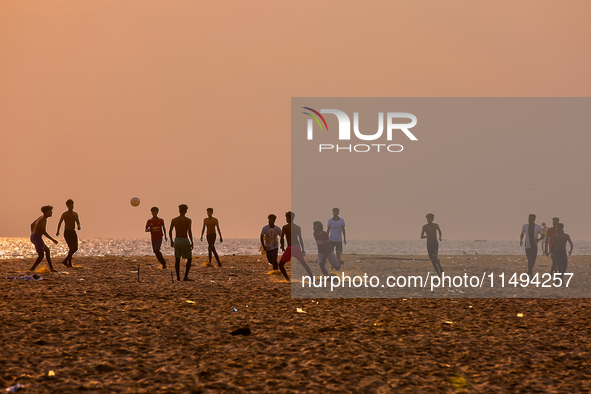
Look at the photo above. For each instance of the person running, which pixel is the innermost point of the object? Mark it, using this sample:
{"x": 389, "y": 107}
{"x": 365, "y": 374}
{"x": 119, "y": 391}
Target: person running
{"x": 295, "y": 245}
{"x": 559, "y": 248}
{"x": 70, "y": 219}
{"x": 324, "y": 250}
{"x": 430, "y": 231}
{"x": 533, "y": 234}
{"x": 269, "y": 235}
{"x": 155, "y": 226}
{"x": 337, "y": 234}
{"x": 211, "y": 224}
{"x": 183, "y": 242}
{"x": 38, "y": 230}
{"x": 548, "y": 241}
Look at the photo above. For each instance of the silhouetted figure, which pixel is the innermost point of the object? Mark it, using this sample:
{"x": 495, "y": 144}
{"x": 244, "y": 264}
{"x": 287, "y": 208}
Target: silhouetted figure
{"x": 269, "y": 235}
{"x": 70, "y": 219}
{"x": 155, "y": 226}
{"x": 211, "y": 224}
{"x": 544, "y": 235}
{"x": 295, "y": 245}
{"x": 533, "y": 234}
{"x": 183, "y": 242}
{"x": 324, "y": 250}
{"x": 548, "y": 241}
{"x": 38, "y": 230}
{"x": 429, "y": 231}
{"x": 559, "y": 248}
{"x": 337, "y": 234}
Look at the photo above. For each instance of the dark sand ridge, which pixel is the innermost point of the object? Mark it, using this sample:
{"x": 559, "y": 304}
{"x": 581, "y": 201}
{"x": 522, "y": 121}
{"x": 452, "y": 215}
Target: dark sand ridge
{"x": 101, "y": 331}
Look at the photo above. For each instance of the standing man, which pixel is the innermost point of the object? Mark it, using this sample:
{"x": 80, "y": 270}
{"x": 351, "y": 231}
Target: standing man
{"x": 337, "y": 234}
{"x": 183, "y": 242}
{"x": 548, "y": 241}
{"x": 430, "y": 231}
{"x": 295, "y": 245}
{"x": 70, "y": 219}
{"x": 211, "y": 223}
{"x": 157, "y": 230}
{"x": 559, "y": 248}
{"x": 269, "y": 235}
{"x": 38, "y": 230}
{"x": 534, "y": 234}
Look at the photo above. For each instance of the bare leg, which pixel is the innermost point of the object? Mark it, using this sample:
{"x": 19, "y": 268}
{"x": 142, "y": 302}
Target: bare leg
{"x": 186, "y": 278}
{"x": 177, "y": 267}
{"x": 47, "y": 254}
{"x": 160, "y": 258}
{"x": 215, "y": 253}
{"x": 306, "y": 267}
{"x": 283, "y": 271}
{"x": 37, "y": 262}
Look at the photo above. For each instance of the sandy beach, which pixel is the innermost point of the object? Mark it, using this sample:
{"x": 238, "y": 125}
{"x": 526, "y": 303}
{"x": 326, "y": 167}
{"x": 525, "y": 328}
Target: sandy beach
{"x": 101, "y": 331}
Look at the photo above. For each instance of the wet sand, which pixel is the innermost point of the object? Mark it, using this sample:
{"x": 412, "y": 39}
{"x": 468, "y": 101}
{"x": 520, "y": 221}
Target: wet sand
{"x": 100, "y": 330}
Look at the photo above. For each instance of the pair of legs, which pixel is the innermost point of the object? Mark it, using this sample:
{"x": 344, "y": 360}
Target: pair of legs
{"x": 211, "y": 248}
{"x": 296, "y": 251}
{"x": 337, "y": 247}
{"x": 531, "y": 254}
{"x": 433, "y": 251}
{"x": 156, "y": 246}
{"x": 554, "y": 268}
{"x": 42, "y": 251}
{"x": 72, "y": 240}
{"x": 561, "y": 261}
{"x": 182, "y": 248}
{"x": 322, "y": 257}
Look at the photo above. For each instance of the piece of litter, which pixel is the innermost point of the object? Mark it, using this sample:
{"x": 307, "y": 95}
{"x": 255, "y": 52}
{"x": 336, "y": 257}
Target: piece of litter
{"x": 15, "y": 388}
{"x": 235, "y": 310}
{"x": 50, "y": 373}
{"x": 190, "y": 302}
{"x": 300, "y": 310}
{"x": 520, "y": 315}
{"x": 449, "y": 322}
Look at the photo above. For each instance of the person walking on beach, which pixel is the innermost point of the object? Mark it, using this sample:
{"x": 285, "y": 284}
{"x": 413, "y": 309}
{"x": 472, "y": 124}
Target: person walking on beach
{"x": 533, "y": 234}
{"x": 544, "y": 235}
{"x": 183, "y": 242}
{"x": 324, "y": 250}
{"x": 337, "y": 234}
{"x": 295, "y": 245}
{"x": 155, "y": 226}
{"x": 548, "y": 241}
{"x": 269, "y": 235}
{"x": 559, "y": 248}
{"x": 70, "y": 219}
{"x": 430, "y": 231}
{"x": 211, "y": 224}
{"x": 38, "y": 230}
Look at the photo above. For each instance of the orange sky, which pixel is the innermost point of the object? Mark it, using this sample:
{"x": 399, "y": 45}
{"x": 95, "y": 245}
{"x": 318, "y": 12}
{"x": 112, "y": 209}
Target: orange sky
{"x": 189, "y": 102}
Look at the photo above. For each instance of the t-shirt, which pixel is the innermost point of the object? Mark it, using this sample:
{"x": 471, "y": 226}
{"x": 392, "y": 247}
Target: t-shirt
{"x": 322, "y": 241}
{"x": 155, "y": 226}
{"x": 271, "y": 236}
{"x": 336, "y": 234}
{"x": 537, "y": 233}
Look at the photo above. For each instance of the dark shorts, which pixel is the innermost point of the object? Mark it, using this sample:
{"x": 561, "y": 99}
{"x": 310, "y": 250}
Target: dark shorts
{"x": 531, "y": 254}
{"x": 37, "y": 240}
{"x": 561, "y": 259}
{"x": 71, "y": 237}
{"x": 338, "y": 245}
{"x": 157, "y": 245}
{"x": 433, "y": 249}
{"x": 211, "y": 239}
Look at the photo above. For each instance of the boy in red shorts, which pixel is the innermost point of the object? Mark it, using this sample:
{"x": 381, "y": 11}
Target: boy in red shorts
{"x": 155, "y": 227}
{"x": 295, "y": 245}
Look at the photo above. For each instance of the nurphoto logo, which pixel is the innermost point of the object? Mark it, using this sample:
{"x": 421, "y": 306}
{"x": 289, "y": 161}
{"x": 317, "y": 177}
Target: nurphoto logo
{"x": 344, "y": 132}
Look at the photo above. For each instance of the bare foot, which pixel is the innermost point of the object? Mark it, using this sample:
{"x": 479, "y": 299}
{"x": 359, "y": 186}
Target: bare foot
{"x": 219, "y": 264}
{"x": 53, "y": 270}
{"x": 65, "y": 262}
{"x": 188, "y": 280}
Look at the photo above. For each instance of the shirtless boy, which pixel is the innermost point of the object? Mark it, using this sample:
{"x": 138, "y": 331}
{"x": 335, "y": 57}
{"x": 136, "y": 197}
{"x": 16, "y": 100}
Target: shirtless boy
{"x": 155, "y": 226}
{"x": 183, "y": 242}
{"x": 430, "y": 232}
{"x": 211, "y": 224}
{"x": 70, "y": 219}
{"x": 559, "y": 248}
{"x": 38, "y": 230}
{"x": 295, "y": 245}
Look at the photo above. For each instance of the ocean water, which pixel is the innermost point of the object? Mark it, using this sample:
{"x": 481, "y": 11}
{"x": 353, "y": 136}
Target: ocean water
{"x": 22, "y": 248}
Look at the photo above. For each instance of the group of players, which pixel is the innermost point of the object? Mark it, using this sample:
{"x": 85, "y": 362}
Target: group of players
{"x": 330, "y": 243}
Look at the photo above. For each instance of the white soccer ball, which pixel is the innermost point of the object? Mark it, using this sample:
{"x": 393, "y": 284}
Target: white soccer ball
{"x": 135, "y": 201}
